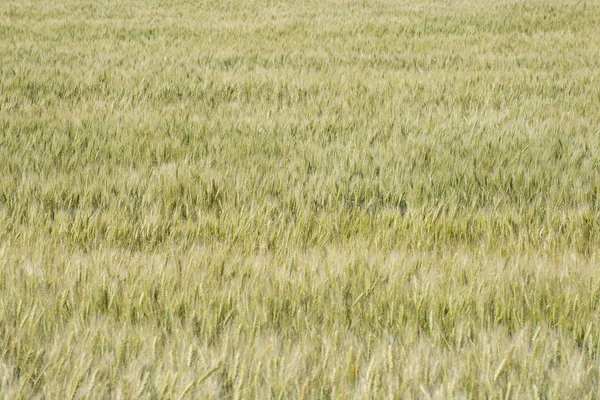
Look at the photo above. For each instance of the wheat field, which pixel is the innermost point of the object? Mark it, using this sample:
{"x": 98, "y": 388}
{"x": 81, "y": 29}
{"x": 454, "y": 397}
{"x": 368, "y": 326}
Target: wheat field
{"x": 299, "y": 199}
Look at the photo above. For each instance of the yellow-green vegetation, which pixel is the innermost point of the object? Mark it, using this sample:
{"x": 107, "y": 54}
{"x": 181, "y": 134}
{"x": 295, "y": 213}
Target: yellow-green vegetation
{"x": 299, "y": 199}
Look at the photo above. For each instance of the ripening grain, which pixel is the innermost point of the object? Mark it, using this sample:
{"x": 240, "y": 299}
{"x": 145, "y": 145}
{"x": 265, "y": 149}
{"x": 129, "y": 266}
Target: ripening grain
{"x": 299, "y": 199}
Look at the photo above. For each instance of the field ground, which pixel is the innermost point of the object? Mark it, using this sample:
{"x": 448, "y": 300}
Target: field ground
{"x": 299, "y": 199}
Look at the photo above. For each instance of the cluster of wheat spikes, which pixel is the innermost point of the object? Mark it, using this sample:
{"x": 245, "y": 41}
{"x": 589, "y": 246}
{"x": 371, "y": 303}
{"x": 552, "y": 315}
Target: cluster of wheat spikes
{"x": 299, "y": 199}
